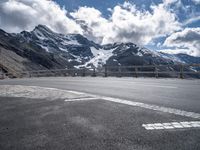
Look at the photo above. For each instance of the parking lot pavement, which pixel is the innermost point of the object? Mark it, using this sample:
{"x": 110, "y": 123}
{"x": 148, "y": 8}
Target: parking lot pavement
{"x": 174, "y": 93}
{"x": 93, "y": 124}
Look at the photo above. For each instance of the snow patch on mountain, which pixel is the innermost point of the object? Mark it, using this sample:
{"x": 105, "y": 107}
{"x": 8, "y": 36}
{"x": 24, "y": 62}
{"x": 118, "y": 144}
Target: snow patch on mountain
{"x": 159, "y": 54}
{"x": 44, "y": 47}
{"x": 147, "y": 51}
{"x": 70, "y": 42}
{"x": 81, "y": 52}
{"x": 172, "y": 58}
{"x": 39, "y": 35}
{"x": 100, "y": 56}
{"x": 63, "y": 49}
{"x": 76, "y": 58}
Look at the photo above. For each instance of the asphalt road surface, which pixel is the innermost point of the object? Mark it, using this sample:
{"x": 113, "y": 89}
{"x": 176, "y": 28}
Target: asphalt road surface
{"x": 110, "y": 123}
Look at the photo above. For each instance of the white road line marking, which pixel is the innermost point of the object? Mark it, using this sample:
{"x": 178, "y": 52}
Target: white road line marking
{"x": 155, "y": 107}
{"x": 172, "y": 125}
{"x": 132, "y": 103}
{"x": 75, "y": 92}
{"x": 155, "y": 126}
{"x": 147, "y": 106}
{"x": 132, "y": 81}
{"x": 159, "y": 86}
{"x": 81, "y": 99}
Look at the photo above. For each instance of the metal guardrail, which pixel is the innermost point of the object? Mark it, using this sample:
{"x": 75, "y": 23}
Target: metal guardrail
{"x": 171, "y": 70}
{"x": 176, "y": 71}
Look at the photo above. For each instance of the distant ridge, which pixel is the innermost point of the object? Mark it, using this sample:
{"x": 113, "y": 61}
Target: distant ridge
{"x": 44, "y": 49}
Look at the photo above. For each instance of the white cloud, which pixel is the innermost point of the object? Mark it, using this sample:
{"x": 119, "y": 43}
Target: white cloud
{"x": 175, "y": 51}
{"x": 96, "y": 27}
{"x": 18, "y": 15}
{"x": 169, "y": 2}
{"x": 188, "y": 39}
{"x": 196, "y": 1}
{"x": 128, "y": 24}
{"x": 191, "y": 20}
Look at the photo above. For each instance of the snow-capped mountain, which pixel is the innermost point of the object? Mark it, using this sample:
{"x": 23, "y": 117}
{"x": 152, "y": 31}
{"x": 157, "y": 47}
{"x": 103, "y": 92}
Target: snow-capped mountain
{"x": 44, "y": 49}
{"x": 73, "y": 47}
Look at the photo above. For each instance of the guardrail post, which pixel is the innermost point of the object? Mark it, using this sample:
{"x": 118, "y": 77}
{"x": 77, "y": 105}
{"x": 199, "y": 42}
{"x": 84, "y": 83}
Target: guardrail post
{"x": 64, "y": 73}
{"x": 136, "y": 70}
{"x": 181, "y": 72}
{"x": 1, "y": 71}
{"x": 36, "y": 74}
{"x": 83, "y": 72}
{"x": 119, "y": 71}
{"x": 3, "y": 75}
{"x": 106, "y": 71}
{"x": 72, "y": 72}
{"x": 94, "y": 72}
{"x": 156, "y": 72}
{"x": 29, "y": 75}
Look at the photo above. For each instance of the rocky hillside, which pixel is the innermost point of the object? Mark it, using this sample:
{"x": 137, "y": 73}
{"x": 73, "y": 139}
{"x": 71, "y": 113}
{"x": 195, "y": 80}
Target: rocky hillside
{"x": 44, "y": 49}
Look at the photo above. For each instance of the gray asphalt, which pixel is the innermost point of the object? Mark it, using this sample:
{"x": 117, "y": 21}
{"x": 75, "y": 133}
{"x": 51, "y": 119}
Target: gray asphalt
{"x": 46, "y": 124}
{"x": 43, "y": 124}
{"x": 175, "y": 93}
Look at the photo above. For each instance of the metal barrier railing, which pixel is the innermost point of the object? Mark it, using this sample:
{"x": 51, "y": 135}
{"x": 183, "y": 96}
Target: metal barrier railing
{"x": 176, "y": 71}
{"x": 169, "y": 70}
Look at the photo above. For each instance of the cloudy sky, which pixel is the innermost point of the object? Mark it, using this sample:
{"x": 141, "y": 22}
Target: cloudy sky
{"x": 167, "y": 25}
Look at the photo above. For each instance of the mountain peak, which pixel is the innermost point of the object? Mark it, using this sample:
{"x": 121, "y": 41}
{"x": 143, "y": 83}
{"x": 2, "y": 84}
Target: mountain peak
{"x": 43, "y": 47}
{"x": 42, "y": 28}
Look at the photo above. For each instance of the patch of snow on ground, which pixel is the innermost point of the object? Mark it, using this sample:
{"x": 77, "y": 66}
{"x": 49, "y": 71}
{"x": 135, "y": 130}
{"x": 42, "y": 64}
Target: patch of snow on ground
{"x": 44, "y": 47}
{"x": 139, "y": 53}
{"x": 63, "y": 49}
{"x": 36, "y": 92}
{"x": 124, "y": 48}
{"x": 193, "y": 69}
{"x": 40, "y": 35}
{"x": 77, "y": 58}
{"x": 70, "y": 60}
{"x": 100, "y": 56}
{"x": 147, "y": 51}
{"x": 158, "y": 54}
{"x": 71, "y": 42}
{"x": 171, "y": 57}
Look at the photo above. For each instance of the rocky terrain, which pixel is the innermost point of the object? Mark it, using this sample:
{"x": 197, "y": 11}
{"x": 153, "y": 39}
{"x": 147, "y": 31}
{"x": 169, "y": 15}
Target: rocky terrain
{"x": 43, "y": 49}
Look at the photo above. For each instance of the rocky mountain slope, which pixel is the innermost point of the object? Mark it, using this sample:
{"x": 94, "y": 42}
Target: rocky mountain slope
{"x": 44, "y": 49}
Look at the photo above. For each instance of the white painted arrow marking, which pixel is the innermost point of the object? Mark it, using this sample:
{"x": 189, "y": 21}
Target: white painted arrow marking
{"x": 172, "y": 125}
{"x": 81, "y": 99}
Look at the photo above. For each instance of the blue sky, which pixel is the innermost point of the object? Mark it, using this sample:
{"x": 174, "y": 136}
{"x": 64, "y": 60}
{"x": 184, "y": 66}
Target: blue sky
{"x": 171, "y": 26}
{"x": 103, "y": 5}
{"x": 184, "y": 10}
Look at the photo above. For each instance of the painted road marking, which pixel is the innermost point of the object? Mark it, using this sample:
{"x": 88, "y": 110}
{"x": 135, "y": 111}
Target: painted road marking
{"x": 155, "y": 107}
{"x": 172, "y": 125}
{"x": 159, "y": 86}
{"x": 73, "y": 92}
{"x": 138, "y": 84}
{"x": 139, "y": 104}
{"x": 131, "y": 103}
{"x": 81, "y": 99}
